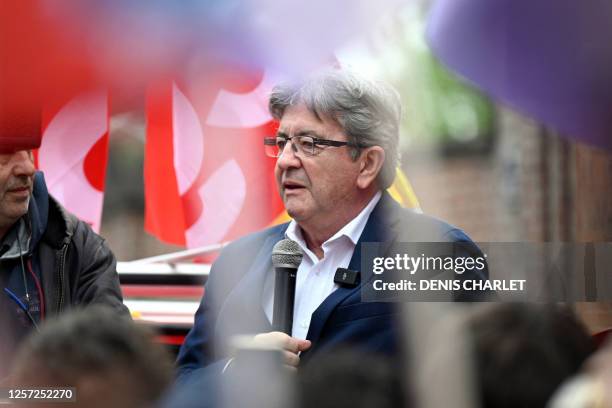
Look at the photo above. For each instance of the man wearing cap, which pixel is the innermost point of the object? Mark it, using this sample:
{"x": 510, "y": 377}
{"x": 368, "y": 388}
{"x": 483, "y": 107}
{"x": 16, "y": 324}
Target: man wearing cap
{"x": 336, "y": 153}
{"x": 49, "y": 260}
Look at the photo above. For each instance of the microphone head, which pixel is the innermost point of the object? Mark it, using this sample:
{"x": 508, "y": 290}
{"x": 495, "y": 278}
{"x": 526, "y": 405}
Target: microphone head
{"x": 286, "y": 254}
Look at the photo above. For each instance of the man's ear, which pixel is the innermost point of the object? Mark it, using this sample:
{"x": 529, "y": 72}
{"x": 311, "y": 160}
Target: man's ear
{"x": 370, "y": 162}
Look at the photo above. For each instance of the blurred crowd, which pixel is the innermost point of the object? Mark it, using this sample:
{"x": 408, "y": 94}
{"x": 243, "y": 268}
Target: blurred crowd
{"x": 520, "y": 355}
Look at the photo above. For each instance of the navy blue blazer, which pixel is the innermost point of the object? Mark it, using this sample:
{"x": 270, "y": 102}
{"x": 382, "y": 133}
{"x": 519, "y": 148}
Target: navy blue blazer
{"x": 232, "y": 303}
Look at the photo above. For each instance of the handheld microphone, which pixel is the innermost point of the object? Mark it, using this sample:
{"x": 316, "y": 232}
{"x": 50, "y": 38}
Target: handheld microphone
{"x": 286, "y": 258}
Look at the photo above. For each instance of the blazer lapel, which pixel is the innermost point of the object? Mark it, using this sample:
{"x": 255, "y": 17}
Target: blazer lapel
{"x": 379, "y": 228}
{"x": 246, "y": 298}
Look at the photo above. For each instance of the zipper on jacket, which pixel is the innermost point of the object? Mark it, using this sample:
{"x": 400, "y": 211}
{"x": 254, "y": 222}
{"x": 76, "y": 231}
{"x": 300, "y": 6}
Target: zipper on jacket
{"x": 60, "y": 276}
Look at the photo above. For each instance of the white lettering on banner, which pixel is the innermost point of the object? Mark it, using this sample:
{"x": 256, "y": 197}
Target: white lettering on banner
{"x": 67, "y": 140}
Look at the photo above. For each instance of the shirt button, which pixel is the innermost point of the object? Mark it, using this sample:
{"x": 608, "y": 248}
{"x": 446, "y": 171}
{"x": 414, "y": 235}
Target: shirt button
{"x": 304, "y": 324}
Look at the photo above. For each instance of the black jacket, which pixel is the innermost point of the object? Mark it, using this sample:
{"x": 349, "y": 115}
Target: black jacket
{"x": 73, "y": 264}
{"x": 76, "y": 265}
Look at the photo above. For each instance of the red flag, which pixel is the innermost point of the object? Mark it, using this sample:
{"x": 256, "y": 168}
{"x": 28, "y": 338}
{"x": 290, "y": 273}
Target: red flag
{"x": 40, "y": 60}
{"x": 207, "y": 179}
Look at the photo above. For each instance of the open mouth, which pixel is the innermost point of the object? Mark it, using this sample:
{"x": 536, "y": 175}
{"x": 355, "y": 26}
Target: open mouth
{"x": 288, "y": 186}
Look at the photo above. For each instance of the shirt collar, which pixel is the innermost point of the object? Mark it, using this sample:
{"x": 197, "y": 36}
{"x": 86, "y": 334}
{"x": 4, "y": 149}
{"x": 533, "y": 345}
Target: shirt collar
{"x": 352, "y": 230}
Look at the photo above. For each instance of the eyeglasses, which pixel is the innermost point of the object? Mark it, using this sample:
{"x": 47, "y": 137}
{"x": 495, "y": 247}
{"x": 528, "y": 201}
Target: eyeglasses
{"x": 304, "y": 144}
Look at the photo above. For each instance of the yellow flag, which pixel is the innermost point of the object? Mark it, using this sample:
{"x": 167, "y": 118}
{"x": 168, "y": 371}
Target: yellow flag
{"x": 401, "y": 190}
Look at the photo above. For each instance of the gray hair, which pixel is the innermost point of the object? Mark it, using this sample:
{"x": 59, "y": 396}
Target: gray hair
{"x": 368, "y": 111}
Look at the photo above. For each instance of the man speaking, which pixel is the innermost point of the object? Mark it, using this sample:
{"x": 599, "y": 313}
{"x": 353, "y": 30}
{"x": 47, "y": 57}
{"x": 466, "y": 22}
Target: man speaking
{"x": 336, "y": 153}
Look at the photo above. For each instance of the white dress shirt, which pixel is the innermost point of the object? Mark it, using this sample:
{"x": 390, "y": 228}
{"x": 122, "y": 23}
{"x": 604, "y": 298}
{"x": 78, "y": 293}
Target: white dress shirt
{"x": 315, "y": 277}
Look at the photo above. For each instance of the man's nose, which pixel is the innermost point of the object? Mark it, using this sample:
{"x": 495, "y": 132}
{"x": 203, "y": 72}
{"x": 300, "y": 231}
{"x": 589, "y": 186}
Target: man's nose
{"x": 24, "y": 163}
{"x": 288, "y": 157}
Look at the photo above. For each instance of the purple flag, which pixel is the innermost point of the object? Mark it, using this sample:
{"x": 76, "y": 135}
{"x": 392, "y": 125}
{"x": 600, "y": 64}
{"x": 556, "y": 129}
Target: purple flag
{"x": 550, "y": 59}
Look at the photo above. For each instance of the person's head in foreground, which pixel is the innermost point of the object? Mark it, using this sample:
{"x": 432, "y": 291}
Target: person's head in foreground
{"x": 592, "y": 388}
{"x": 108, "y": 359}
{"x": 336, "y": 147}
{"x": 350, "y": 378}
{"x": 524, "y": 352}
